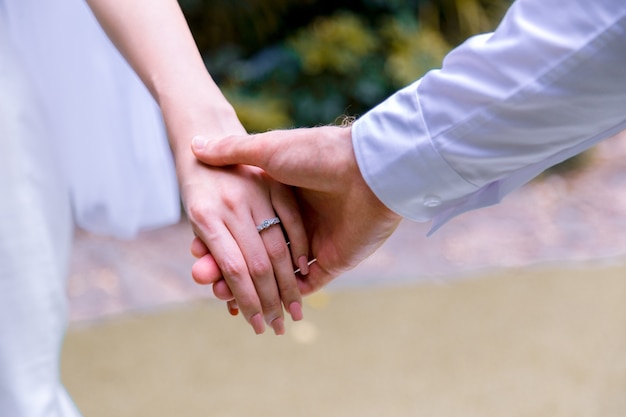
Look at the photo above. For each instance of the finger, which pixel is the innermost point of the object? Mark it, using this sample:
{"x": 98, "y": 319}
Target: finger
{"x": 198, "y": 248}
{"x": 286, "y": 207}
{"x": 221, "y": 291}
{"x": 233, "y": 150}
{"x": 283, "y": 268}
{"x": 315, "y": 280}
{"x": 289, "y": 156}
{"x": 312, "y": 158}
{"x": 261, "y": 271}
{"x": 233, "y": 308}
{"x": 232, "y": 264}
{"x": 205, "y": 270}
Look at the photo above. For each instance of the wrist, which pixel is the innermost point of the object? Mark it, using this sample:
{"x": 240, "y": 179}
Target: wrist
{"x": 360, "y": 184}
{"x": 205, "y": 113}
{"x": 202, "y": 113}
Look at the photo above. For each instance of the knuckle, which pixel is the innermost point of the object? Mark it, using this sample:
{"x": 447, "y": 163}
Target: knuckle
{"x": 277, "y": 250}
{"x": 232, "y": 201}
{"x": 248, "y": 305}
{"x": 202, "y": 217}
{"x": 259, "y": 268}
{"x": 271, "y": 308}
{"x": 232, "y": 270}
{"x": 197, "y": 213}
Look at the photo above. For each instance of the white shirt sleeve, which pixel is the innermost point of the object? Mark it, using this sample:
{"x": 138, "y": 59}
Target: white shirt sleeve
{"x": 549, "y": 83}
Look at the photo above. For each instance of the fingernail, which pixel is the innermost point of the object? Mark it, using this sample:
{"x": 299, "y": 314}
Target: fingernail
{"x": 257, "y": 324}
{"x": 295, "y": 309}
{"x": 233, "y": 309}
{"x": 278, "y": 324}
{"x": 198, "y": 143}
{"x": 303, "y": 263}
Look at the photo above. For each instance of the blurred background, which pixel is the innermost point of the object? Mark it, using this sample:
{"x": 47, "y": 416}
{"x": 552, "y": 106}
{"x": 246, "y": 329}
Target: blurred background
{"x": 514, "y": 310}
{"x": 286, "y": 63}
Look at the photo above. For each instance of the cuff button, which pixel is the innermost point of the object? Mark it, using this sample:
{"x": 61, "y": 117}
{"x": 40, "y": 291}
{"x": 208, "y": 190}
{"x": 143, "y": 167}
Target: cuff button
{"x": 432, "y": 201}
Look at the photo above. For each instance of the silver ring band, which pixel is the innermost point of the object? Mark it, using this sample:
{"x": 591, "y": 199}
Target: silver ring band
{"x": 266, "y": 224}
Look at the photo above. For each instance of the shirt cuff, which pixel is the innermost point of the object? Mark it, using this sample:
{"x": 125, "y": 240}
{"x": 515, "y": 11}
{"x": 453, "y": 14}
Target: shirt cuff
{"x": 399, "y": 162}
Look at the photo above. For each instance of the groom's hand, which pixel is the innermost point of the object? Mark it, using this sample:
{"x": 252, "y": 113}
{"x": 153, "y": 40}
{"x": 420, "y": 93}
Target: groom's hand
{"x": 345, "y": 221}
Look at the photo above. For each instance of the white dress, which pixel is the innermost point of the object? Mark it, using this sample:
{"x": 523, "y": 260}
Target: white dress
{"x": 80, "y": 141}
{"x": 105, "y": 125}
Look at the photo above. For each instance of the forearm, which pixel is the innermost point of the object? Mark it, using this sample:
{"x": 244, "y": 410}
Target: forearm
{"x": 223, "y": 204}
{"x": 503, "y": 108}
{"x": 154, "y": 38}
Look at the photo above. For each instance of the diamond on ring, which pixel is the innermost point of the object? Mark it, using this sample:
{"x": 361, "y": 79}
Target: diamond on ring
{"x": 266, "y": 224}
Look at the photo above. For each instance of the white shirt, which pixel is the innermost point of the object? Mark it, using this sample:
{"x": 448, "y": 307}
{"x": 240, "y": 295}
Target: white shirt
{"x": 549, "y": 83}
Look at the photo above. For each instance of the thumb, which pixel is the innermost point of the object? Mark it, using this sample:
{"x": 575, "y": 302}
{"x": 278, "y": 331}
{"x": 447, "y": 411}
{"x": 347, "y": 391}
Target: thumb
{"x": 271, "y": 151}
{"x": 309, "y": 158}
{"x": 230, "y": 150}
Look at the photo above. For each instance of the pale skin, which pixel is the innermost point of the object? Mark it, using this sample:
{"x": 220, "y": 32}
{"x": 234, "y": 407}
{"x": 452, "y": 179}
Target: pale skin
{"x": 224, "y": 205}
{"x": 345, "y": 222}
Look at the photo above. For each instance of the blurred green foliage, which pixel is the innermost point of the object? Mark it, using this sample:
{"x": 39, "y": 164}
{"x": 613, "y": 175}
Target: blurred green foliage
{"x": 286, "y": 63}
{"x": 336, "y": 44}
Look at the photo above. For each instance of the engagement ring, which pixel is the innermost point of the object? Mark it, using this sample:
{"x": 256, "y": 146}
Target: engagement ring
{"x": 266, "y": 224}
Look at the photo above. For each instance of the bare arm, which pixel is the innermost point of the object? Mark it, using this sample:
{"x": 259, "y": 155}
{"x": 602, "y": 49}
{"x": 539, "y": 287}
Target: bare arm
{"x": 224, "y": 205}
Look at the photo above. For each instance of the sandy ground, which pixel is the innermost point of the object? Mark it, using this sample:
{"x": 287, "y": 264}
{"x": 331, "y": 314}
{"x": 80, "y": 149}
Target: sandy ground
{"x": 529, "y": 342}
{"x": 515, "y": 310}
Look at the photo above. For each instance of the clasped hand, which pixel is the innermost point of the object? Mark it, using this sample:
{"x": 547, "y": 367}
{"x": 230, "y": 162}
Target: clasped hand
{"x": 344, "y": 221}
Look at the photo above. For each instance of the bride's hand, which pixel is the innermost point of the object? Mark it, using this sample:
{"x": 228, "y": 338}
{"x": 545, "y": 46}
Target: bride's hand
{"x": 225, "y": 206}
